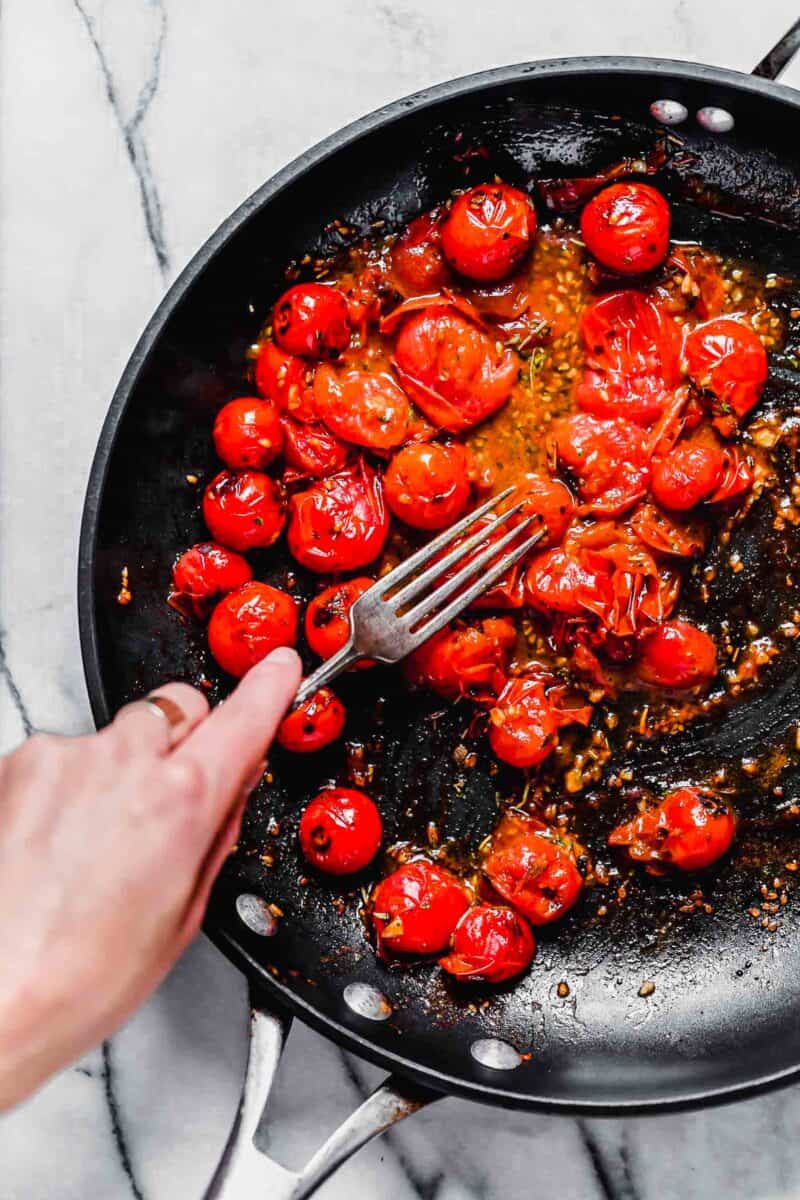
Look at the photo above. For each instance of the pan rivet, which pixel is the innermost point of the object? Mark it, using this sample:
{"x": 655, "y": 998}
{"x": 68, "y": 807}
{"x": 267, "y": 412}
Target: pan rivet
{"x": 669, "y": 112}
{"x": 366, "y": 1001}
{"x": 716, "y": 120}
{"x": 496, "y": 1054}
{"x": 256, "y": 914}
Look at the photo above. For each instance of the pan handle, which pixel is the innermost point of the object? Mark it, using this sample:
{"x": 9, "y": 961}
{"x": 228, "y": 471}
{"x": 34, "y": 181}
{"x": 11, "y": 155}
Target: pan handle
{"x": 776, "y": 60}
{"x": 246, "y": 1172}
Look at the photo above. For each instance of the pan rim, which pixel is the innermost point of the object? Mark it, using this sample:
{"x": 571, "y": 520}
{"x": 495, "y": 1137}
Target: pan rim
{"x": 386, "y": 115}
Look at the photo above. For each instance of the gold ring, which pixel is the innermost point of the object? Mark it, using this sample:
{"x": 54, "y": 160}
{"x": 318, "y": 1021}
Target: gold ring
{"x": 171, "y": 712}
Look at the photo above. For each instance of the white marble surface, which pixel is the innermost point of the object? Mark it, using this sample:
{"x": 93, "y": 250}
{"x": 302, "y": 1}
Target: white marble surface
{"x": 128, "y": 130}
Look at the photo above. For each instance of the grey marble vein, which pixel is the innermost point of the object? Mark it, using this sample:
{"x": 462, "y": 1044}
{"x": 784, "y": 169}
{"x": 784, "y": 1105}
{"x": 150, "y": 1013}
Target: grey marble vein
{"x": 609, "y": 1159}
{"x": 109, "y": 1087}
{"x": 14, "y": 692}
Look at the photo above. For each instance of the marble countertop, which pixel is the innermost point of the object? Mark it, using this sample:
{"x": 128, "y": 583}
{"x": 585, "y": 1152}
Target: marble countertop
{"x": 128, "y": 130}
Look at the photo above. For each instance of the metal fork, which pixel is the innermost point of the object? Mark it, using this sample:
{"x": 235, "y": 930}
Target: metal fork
{"x": 387, "y": 625}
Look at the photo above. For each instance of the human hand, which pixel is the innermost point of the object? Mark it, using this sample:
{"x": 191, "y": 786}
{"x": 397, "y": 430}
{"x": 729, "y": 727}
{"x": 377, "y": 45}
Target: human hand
{"x": 109, "y": 845}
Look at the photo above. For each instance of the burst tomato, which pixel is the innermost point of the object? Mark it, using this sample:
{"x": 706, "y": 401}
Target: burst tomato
{"x": 311, "y": 320}
{"x": 428, "y": 485}
{"x": 339, "y": 523}
{"x": 726, "y": 359}
{"x": 418, "y": 265}
{"x": 536, "y": 874}
{"x": 417, "y": 907}
{"x": 312, "y": 449}
{"x": 687, "y": 475}
{"x": 244, "y": 509}
{"x": 488, "y": 231}
{"x": 247, "y": 433}
{"x": 551, "y": 501}
{"x": 206, "y": 571}
{"x": 737, "y": 479}
{"x": 689, "y": 830}
{"x": 313, "y": 724}
{"x": 524, "y": 722}
{"x": 626, "y": 227}
{"x": 366, "y": 408}
{"x": 490, "y": 944}
{"x": 327, "y": 622}
{"x": 558, "y": 582}
{"x": 507, "y": 593}
{"x": 281, "y": 377}
{"x": 249, "y": 624}
{"x": 340, "y": 831}
{"x": 466, "y": 661}
{"x": 678, "y": 655}
{"x": 609, "y": 459}
{"x": 662, "y": 534}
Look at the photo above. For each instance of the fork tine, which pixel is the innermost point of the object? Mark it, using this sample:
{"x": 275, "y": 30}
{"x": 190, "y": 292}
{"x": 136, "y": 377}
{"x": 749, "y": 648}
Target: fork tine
{"x": 466, "y": 572}
{"x": 439, "y": 619}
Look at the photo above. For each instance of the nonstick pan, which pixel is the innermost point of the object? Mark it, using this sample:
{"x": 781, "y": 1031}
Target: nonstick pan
{"x": 722, "y": 1018}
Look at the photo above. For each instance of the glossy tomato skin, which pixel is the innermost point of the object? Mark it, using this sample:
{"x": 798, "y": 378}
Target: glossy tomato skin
{"x": 417, "y": 907}
{"x": 726, "y": 358}
{"x": 488, "y": 231}
{"x": 206, "y": 571}
{"x": 327, "y": 622}
{"x": 313, "y": 724}
{"x": 249, "y": 624}
{"x": 525, "y": 720}
{"x": 736, "y": 482}
{"x": 688, "y": 830}
{"x": 466, "y": 660}
{"x": 551, "y": 501}
{"x": 608, "y": 457}
{"x": 428, "y": 484}
{"x": 558, "y": 582}
{"x": 280, "y": 377}
{"x": 244, "y": 509}
{"x": 340, "y": 523}
{"x": 626, "y": 227}
{"x": 248, "y": 433}
{"x": 311, "y": 321}
{"x": 340, "y": 831}
{"x": 687, "y": 475}
{"x": 311, "y": 449}
{"x": 536, "y": 875}
{"x": 418, "y": 264}
{"x": 678, "y": 655}
{"x": 366, "y": 408}
{"x": 490, "y": 944}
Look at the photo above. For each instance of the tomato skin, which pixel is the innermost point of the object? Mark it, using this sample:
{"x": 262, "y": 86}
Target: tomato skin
{"x": 626, "y": 227}
{"x": 490, "y": 944}
{"x": 418, "y": 265}
{"x": 340, "y": 831}
{"x": 244, "y": 509}
{"x": 609, "y": 458}
{"x": 536, "y": 875}
{"x": 312, "y": 449}
{"x": 466, "y": 661}
{"x": 366, "y": 408}
{"x": 557, "y": 581}
{"x": 507, "y": 593}
{"x": 452, "y": 369}
{"x": 247, "y": 433}
{"x": 281, "y": 377}
{"x": 327, "y": 624}
{"x": 660, "y": 533}
{"x": 524, "y": 722}
{"x": 488, "y": 231}
{"x": 249, "y": 624}
{"x": 313, "y": 724}
{"x": 417, "y": 907}
{"x": 737, "y": 479}
{"x": 428, "y": 485}
{"x": 206, "y": 571}
{"x": 678, "y": 655}
{"x": 311, "y": 321}
{"x": 339, "y": 523}
{"x": 687, "y": 475}
{"x": 688, "y": 830}
{"x": 726, "y": 358}
{"x": 550, "y": 500}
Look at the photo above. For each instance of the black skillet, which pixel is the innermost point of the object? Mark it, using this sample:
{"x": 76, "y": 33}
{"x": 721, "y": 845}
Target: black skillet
{"x": 722, "y": 1020}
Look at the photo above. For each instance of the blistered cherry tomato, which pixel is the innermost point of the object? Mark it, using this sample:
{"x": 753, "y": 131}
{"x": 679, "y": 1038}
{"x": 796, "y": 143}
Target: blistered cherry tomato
{"x": 489, "y": 943}
{"x": 247, "y": 433}
{"x": 340, "y": 831}
{"x": 312, "y": 449}
{"x": 428, "y": 485}
{"x": 687, "y": 475}
{"x": 206, "y": 571}
{"x": 550, "y": 500}
{"x": 281, "y": 377}
{"x": 663, "y": 534}
{"x": 525, "y": 720}
{"x": 339, "y": 523}
{"x": 249, "y": 624}
{"x": 417, "y": 907}
{"x": 418, "y": 265}
{"x": 678, "y": 655}
{"x": 466, "y": 661}
{"x": 609, "y": 458}
{"x": 737, "y": 479}
{"x": 689, "y": 829}
{"x": 327, "y": 622}
{"x": 626, "y": 227}
{"x": 366, "y": 408}
{"x": 311, "y": 320}
{"x": 557, "y": 582}
{"x": 535, "y": 874}
{"x": 724, "y": 357}
{"x": 452, "y": 370}
{"x": 488, "y": 231}
{"x": 244, "y": 509}
{"x": 313, "y": 724}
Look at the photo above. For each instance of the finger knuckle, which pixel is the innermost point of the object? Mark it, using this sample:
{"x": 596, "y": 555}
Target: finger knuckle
{"x": 190, "y": 699}
{"x": 184, "y": 779}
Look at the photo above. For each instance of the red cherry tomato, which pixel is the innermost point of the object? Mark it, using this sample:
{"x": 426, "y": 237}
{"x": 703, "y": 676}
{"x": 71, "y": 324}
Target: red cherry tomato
{"x": 689, "y": 829}
{"x": 609, "y": 458}
{"x": 466, "y": 661}
{"x": 550, "y": 500}
{"x": 340, "y": 831}
{"x": 678, "y": 655}
{"x": 363, "y": 407}
{"x": 428, "y": 485}
{"x": 206, "y": 571}
{"x": 417, "y": 907}
{"x": 327, "y": 622}
{"x": 536, "y": 874}
{"x": 558, "y": 582}
{"x": 687, "y": 475}
{"x": 491, "y": 944}
{"x": 664, "y": 535}
{"x": 249, "y": 624}
{"x": 313, "y": 724}
{"x": 524, "y": 722}
{"x": 626, "y": 227}
{"x": 418, "y": 265}
{"x": 488, "y": 231}
{"x": 724, "y": 357}
{"x": 311, "y": 320}
{"x": 247, "y": 433}
{"x": 452, "y": 370}
{"x": 339, "y": 523}
{"x": 281, "y": 377}
{"x": 312, "y": 449}
{"x": 244, "y": 509}
{"x": 737, "y": 479}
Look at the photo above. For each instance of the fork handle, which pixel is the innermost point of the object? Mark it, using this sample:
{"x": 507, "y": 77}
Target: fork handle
{"x": 327, "y": 671}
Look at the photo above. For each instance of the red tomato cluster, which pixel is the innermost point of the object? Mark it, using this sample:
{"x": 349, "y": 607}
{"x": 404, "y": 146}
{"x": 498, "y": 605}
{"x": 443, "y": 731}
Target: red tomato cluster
{"x": 688, "y": 830}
